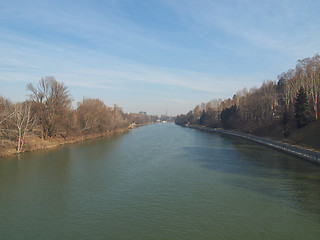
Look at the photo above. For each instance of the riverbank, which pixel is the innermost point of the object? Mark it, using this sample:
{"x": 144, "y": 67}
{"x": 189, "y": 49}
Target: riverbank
{"x": 307, "y": 154}
{"x": 34, "y": 143}
{"x": 160, "y": 181}
{"x": 307, "y": 137}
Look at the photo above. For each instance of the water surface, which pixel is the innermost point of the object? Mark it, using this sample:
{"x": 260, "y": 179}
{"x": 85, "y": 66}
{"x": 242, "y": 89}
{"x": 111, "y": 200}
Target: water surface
{"x": 160, "y": 182}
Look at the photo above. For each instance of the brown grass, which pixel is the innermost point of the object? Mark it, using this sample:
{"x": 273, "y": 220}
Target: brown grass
{"x": 306, "y": 137}
{"x": 33, "y": 143}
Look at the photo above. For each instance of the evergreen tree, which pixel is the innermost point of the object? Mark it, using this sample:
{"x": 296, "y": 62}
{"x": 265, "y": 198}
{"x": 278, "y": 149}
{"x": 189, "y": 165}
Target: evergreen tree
{"x": 302, "y": 112}
{"x": 226, "y": 116}
{"x": 285, "y": 122}
{"x": 203, "y": 118}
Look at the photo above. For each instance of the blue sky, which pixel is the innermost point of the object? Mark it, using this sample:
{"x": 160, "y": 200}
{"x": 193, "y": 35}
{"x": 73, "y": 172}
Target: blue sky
{"x": 149, "y": 55}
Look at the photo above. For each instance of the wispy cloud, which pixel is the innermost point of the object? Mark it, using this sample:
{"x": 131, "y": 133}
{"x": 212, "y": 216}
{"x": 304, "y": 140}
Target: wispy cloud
{"x": 77, "y": 68}
{"x": 283, "y": 26}
{"x": 177, "y": 52}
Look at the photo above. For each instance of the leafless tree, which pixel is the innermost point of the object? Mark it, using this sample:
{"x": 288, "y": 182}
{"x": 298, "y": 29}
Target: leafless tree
{"x": 197, "y": 113}
{"x": 94, "y": 116}
{"x": 52, "y": 103}
{"x": 118, "y": 117}
{"x": 22, "y": 122}
{"x": 311, "y": 67}
{"x": 5, "y": 115}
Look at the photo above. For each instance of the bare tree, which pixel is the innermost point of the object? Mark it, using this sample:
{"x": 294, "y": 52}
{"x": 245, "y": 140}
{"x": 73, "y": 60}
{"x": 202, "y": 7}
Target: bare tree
{"x": 119, "y": 119}
{"x": 138, "y": 118}
{"x": 5, "y": 115}
{"x": 22, "y": 121}
{"x": 94, "y": 116}
{"x": 311, "y": 67}
{"x": 52, "y": 104}
{"x": 197, "y": 113}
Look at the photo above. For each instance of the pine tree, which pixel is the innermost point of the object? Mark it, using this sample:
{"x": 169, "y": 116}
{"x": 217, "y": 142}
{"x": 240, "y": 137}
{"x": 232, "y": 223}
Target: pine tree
{"x": 285, "y": 122}
{"x": 302, "y": 112}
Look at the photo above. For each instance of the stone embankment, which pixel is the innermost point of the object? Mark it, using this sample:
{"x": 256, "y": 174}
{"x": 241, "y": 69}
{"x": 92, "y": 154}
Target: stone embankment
{"x": 297, "y": 151}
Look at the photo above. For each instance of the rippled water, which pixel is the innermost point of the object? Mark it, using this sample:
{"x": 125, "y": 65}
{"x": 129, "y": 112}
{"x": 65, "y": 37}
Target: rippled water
{"x": 160, "y": 182}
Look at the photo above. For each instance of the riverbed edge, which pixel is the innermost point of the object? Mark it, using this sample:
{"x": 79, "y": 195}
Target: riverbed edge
{"x": 58, "y": 142}
{"x": 306, "y": 154}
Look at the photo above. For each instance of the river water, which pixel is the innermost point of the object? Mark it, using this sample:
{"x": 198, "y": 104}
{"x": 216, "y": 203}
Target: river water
{"x": 160, "y": 181}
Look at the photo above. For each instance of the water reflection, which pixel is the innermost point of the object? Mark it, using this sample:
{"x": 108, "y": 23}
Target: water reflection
{"x": 261, "y": 169}
{"x": 159, "y": 182}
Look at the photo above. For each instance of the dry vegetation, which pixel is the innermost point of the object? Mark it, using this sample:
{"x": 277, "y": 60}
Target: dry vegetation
{"x": 47, "y": 119}
{"x": 279, "y": 109}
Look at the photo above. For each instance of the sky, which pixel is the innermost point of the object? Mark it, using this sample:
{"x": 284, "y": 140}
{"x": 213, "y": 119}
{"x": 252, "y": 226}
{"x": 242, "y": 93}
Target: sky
{"x": 153, "y": 56}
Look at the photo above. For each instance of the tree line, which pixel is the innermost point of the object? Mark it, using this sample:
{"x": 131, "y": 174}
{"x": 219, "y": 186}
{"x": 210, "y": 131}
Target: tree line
{"x": 291, "y": 102}
{"x": 49, "y": 113}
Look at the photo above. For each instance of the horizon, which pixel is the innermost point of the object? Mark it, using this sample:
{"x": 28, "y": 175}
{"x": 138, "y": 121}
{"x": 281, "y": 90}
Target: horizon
{"x": 153, "y": 56}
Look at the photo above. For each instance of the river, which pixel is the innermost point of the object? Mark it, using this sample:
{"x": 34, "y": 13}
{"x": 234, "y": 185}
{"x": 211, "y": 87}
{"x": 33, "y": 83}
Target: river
{"x": 160, "y": 181}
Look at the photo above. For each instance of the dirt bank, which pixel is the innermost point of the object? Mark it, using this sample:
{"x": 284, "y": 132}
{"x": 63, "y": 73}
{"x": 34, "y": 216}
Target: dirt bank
{"x": 34, "y": 143}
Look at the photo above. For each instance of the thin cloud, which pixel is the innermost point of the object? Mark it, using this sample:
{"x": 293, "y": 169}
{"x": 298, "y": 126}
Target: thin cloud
{"x": 195, "y": 50}
{"x": 275, "y": 25}
{"x": 116, "y": 70}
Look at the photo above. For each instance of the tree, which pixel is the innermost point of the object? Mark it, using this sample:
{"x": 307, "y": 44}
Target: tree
{"x": 190, "y": 117}
{"x": 118, "y": 117}
{"x": 302, "y": 112}
{"x": 285, "y": 123}
{"x": 138, "y": 118}
{"x": 52, "y": 104}
{"x": 311, "y": 67}
{"x": 226, "y": 116}
{"x": 16, "y": 121}
{"x": 6, "y": 114}
{"x": 22, "y": 121}
{"x": 212, "y": 116}
{"x": 94, "y": 116}
{"x": 203, "y": 118}
{"x": 181, "y": 119}
{"x": 197, "y": 114}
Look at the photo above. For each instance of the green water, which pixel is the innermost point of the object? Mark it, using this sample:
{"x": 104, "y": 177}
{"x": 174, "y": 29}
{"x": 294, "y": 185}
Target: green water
{"x": 160, "y": 182}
